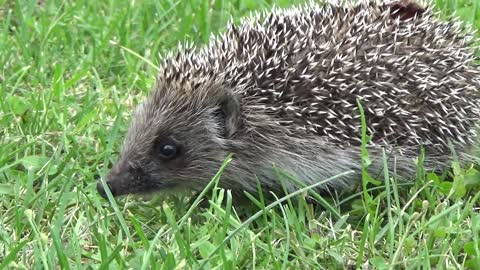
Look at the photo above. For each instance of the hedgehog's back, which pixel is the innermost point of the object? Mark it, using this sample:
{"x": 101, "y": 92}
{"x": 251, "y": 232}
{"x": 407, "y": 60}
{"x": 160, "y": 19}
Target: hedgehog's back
{"x": 306, "y": 67}
{"x": 415, "y": 76}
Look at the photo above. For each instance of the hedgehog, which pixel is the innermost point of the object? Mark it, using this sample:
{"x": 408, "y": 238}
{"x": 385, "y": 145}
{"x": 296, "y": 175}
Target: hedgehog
{"x": 280, "y": 91}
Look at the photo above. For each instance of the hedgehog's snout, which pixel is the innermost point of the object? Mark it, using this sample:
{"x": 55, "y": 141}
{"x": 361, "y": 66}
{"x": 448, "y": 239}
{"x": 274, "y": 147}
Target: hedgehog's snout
{"x": 112, "y": 181}
{"x": 102, "y": 191}
{"x": 118, "y": 180}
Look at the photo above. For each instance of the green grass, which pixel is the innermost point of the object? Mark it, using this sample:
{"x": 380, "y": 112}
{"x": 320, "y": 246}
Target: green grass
{"x": 66, "y": 95}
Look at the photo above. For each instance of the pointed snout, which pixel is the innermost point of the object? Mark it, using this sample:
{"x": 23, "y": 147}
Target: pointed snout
{"x": 113, "y": 180}
{"x": 122, "y": 179}
{"x": 101, "y": 189}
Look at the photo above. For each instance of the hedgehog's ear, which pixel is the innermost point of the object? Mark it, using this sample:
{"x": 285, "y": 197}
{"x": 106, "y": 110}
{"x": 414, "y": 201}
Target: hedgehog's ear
{"x": 228, "y": 115}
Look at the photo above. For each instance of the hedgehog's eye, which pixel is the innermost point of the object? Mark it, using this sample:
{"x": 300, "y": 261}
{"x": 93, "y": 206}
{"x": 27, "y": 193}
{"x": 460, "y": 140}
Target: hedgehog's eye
{"x": 167, "y": 150}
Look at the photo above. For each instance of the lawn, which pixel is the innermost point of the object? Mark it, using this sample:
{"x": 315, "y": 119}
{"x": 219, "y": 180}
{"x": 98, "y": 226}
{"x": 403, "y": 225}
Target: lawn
{"x": 72, "y": 74}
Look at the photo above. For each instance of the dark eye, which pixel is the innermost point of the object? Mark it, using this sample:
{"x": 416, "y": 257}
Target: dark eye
{"x": 168, "y": 150}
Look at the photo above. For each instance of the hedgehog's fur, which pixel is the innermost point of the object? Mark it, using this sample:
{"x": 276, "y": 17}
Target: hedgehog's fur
{"x": 281, "y": 88}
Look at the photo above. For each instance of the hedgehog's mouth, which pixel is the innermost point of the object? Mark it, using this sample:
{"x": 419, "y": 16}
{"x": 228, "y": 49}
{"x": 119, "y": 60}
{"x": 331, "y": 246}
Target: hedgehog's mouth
{"x": 125, "y": 179}
{"x": 118, "y": 188}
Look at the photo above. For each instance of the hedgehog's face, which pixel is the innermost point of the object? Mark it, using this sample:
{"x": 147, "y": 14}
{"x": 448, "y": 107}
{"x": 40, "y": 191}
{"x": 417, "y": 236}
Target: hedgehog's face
{"x": 173, "y": 145}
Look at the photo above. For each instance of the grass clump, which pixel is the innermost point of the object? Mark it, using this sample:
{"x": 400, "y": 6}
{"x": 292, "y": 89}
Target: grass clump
{"x": 67, "y": 89}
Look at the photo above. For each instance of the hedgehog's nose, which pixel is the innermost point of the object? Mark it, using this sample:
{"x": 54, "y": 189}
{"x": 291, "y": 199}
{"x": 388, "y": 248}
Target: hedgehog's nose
{"x": 102, "y": 191}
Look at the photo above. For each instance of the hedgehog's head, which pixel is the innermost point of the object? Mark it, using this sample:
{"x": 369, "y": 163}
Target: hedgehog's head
{"x": 178, "y": 138}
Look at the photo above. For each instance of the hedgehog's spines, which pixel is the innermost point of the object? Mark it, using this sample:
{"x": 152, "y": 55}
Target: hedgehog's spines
{"x": 325, "y": 45}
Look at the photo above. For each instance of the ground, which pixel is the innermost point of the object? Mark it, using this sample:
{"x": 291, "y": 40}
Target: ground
{"x": 72, "y": 72}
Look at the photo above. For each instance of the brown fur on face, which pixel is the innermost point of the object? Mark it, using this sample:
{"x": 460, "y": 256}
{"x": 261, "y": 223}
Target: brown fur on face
{"x": 187, "y": 116}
